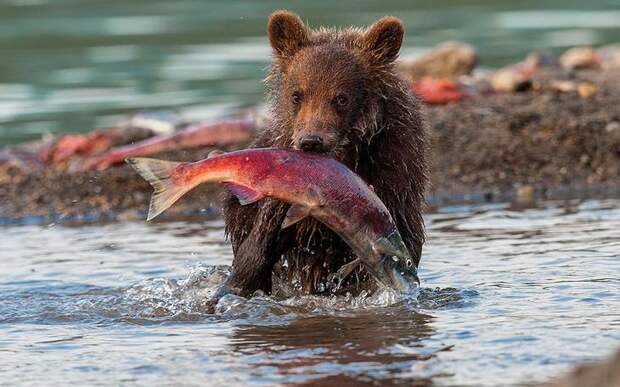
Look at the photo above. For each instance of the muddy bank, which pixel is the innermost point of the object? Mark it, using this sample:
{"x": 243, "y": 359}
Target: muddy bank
{"x": 530, "y": 140}
{"x": 52, "y": 195}
{"x": 498, "y": 146}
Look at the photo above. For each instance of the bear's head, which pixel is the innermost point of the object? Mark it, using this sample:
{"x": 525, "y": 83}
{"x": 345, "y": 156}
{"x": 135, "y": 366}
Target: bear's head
{"x": 328, "y": 86}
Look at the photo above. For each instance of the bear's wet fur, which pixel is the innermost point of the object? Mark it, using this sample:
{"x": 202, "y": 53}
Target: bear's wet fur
{"x": 336, "y": 92}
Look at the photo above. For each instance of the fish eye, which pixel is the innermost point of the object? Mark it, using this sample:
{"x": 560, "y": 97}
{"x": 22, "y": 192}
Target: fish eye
{"x": 296, "y": 98}
{"x": 409, "y": 263}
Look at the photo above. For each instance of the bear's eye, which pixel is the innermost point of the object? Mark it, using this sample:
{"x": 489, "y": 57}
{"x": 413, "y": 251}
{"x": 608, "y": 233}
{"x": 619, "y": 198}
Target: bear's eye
{"x": 341, "y": 101}
{"x": 296, "y": 98}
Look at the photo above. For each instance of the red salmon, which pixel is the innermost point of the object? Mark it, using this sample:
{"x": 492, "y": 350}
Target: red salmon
{"x": 313, "y": 184}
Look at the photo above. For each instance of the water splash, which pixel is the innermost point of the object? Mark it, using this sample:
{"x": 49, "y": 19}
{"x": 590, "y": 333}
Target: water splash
{"x": 171, "y": 298}
{"x": 162, "y": 297}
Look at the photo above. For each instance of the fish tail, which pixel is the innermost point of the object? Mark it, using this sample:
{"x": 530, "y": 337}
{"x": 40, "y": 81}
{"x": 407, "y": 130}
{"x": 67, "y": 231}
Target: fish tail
{"x": 158, "y": 173}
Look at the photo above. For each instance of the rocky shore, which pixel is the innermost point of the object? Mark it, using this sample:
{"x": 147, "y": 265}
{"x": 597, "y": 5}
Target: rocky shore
{"x": 543, "y": 141}
{"x": 604, "y": 373}
{"x": 556, "y": 136}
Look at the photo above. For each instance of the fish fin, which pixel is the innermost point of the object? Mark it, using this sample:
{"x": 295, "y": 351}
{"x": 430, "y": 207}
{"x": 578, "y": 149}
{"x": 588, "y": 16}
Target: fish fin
{"x": 346, "y": 269}
{"x": 391, "y": 245}
{"x": 294, "y": 214}
{"x": 246, "y": 195}
{"x": 315, "y": 196}
{"x": 157, "y": 173}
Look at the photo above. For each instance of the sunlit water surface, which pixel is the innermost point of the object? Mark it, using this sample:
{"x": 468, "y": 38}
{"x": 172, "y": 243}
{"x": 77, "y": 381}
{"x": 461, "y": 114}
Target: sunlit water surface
{"x": 508, "y": 297}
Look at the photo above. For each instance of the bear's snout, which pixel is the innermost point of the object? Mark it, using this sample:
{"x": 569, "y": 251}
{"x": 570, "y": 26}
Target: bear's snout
{"x": 312, "y": 143}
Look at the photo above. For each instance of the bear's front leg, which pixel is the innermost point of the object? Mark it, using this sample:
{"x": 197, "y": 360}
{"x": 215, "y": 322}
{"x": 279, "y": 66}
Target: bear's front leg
{"x": 257, "y": 247}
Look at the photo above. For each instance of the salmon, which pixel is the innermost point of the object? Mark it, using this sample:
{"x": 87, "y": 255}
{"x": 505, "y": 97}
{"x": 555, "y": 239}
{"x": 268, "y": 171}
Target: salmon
{"x": 314, "y": 185}
{"x": 223, "y": 133}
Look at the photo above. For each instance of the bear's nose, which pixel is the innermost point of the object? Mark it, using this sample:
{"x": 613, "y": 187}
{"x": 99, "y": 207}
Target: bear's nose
{"x": 311, "y": 143}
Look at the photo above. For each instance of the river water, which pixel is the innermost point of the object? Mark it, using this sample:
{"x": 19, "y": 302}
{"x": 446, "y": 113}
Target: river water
{"x": 71, "y": 65}
{"x": 508, "y": 296}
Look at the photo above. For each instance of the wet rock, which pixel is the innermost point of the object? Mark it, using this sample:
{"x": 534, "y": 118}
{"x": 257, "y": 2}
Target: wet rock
{"x": 449, "y": 60}
{"x": 525, "y": 194}
{"x": 579, "y": 58}
{"x": 583, "y": 89}
{"x": 602, "y": 374}
{"x": 157, "y": 123}
{"x": 540, "y": 59}
{"x": 613, "y": 136}
{"x": 526, "y": 74}
{"x": 613, "y": 126}
{"x": 610, "y": 56}
{"x": 586, "y": 90}
{"x": 563, "y": 86}
{"x": 510, "y": 79}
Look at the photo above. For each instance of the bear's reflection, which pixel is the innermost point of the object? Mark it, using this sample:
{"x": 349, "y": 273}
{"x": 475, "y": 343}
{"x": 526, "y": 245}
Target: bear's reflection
{"x": 378, "y": 346}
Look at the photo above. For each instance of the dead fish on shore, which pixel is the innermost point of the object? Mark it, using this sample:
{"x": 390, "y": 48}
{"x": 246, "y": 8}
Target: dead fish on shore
{"x": 314, "y": 185}
{"x": 438, "y": 91}
{"x": 222, "y": 133}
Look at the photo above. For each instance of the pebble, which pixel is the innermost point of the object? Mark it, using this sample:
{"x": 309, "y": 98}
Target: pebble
{"x": 586, "y": 90}
{"x": 613, "y": 126}
{"x": 449, "y": 60}
{"x": 509, "y": 80}
{"x": 610, "y": 56}
{"x": 580, "y": 58}
{"x": 525, "y": 194}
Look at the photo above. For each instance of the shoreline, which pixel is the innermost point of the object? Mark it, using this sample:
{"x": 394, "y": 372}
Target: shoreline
{"x": 204, "y": 204}
{"x": 516, "y": 147}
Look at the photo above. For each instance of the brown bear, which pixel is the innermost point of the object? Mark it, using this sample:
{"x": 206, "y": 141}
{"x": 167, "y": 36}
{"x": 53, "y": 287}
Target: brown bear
{"x": 334, "y": 92}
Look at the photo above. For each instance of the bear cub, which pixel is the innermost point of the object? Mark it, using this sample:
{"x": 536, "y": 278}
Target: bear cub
{"x": 332, "y": 91}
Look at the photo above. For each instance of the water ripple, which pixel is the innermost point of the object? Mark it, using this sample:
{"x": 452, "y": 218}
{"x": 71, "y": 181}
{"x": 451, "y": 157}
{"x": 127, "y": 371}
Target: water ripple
{"x": 501, "y": 290}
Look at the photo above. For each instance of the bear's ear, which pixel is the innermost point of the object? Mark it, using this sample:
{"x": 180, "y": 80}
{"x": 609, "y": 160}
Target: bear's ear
{"x": 384, "y": 38}
{"x": 287, "y": 33}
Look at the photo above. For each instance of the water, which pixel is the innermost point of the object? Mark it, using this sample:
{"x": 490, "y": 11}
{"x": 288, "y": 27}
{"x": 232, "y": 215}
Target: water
{"x": 71, "y": 66}
{"x": 508, "y": 297}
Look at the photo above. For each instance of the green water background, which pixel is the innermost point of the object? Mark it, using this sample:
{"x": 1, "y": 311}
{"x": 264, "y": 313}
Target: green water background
{"x": 73, "y": 65}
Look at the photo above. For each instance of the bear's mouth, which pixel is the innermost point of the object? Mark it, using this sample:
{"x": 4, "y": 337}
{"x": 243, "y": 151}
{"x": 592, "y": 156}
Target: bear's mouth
{"x": 318, "y": 151}
{"x": 318, "y": 146}
{"x": 337, "y": 151}
{"x": 322, "y": 150}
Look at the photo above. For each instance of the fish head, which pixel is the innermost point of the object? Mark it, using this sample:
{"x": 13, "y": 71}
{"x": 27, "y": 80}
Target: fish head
{"x": 392, "y": 264}
{"x": 397, "y": 273}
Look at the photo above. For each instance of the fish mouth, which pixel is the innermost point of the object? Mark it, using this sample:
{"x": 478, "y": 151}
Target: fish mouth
{"x": 397, "y": 273}
{"x": 392, "y": 265}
